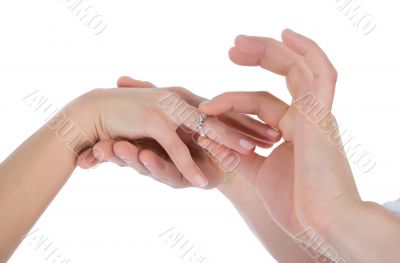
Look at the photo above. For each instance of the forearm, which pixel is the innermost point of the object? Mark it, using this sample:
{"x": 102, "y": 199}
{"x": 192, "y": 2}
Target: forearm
{"x": 30, "y": 178}
{"x": 367, "y": 233}
{"x": 245, "y": 199}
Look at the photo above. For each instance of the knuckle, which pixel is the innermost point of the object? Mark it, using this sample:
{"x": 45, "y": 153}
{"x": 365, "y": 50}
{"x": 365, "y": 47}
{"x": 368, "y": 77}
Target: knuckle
{"x": 312, "y": 44}
{"x": 224, "y": 96}
{"x": 332, "y": 75}
{"x": 179, "y": 90}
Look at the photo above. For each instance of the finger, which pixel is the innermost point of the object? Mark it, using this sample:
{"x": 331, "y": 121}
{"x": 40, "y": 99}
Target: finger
{"x": 221, "y": 133}
{"x": 162, "y": 170}
{"x": 324, "y": 73}
{"x": 128, "y": 82}
{"x": 241, "y": 58}
{"x": 230, "y": 162}
{"x": 235, "y": 139}
{"x": 166, "y": 135}
{"x": 273, "y": 56}
{"x": 266, "y": 106}
{"x": 318, "y": 135}
{"x": 183, "y": 114}
{"x": 103, "y": 151}
{"x": 100, "y": 152}
{"x": 251, "y": 127}
{"x": 262, "y": 144}
{"x": 86, "y": 159}
{"x": 227, "y": 160}
{"x": 243, "y": 123}
{"x": 129, "y": 153}
{"x": 266, "y": 52}
{"x": 228, "y": 136}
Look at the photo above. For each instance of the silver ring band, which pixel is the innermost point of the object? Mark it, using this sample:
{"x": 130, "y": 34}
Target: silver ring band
{"x": 199, "y": 124}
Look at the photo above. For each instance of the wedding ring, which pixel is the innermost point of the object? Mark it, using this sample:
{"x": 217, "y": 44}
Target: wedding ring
{"x": 199, "y": 124}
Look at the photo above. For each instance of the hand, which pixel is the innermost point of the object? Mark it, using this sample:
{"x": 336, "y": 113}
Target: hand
{"x": 306, "y": 179}
{"x": 146, "y": 156}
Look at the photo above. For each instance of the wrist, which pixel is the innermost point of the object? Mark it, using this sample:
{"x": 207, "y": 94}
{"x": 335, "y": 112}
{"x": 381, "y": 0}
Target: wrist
{"x": 355, "y": 234}
{"x": 76, "y": 125}
{"x": 333, "y": 222}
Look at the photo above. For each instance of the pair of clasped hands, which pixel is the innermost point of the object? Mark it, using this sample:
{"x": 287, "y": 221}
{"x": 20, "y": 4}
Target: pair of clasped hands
{"x": 306, "y": 182}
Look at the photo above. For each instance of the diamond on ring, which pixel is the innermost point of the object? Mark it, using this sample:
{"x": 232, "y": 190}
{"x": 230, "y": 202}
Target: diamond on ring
{"x": 199, "y": 124}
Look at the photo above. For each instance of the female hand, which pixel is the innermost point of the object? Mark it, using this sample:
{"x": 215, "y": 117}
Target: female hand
{"x": 158, "y": 114}
{"x": 146, "y": 159}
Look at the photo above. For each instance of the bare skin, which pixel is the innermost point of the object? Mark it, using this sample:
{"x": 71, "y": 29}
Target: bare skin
{"x": 306, "y": 182}
{"x": 309, "y": 166}
{"x": 34, "y": 173}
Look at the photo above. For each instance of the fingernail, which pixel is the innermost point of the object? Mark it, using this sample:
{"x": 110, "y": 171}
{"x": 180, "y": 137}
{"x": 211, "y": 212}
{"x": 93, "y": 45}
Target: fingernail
{"x": 147, "y": 165}
{"x": 292, "y": 32}
{"x": 97, "y": 153}
{"x": 246, "y": 144}
{"x": 289, "y": 30}
{"x": 118, "y": 161}
{"x": 272, "y": 132}
{"x": 123, "y": 158}
{"x": 200, "y": 180}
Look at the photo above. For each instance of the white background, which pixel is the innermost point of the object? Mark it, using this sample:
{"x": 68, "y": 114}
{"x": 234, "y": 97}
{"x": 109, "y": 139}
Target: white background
{"x": 111, "y": 214}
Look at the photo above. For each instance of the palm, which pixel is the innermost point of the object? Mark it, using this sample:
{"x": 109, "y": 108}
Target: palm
{"x": 275, "y": 179}
{"x": 274, "y": 183}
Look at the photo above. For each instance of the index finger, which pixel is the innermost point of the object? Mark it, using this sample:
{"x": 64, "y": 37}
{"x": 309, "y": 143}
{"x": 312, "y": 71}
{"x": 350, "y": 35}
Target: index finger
{"x": 166, "y": 135}
{"x": 267, "y": 107}
{"x": 273, "y": 56}
{"x": 324, "y": 73}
